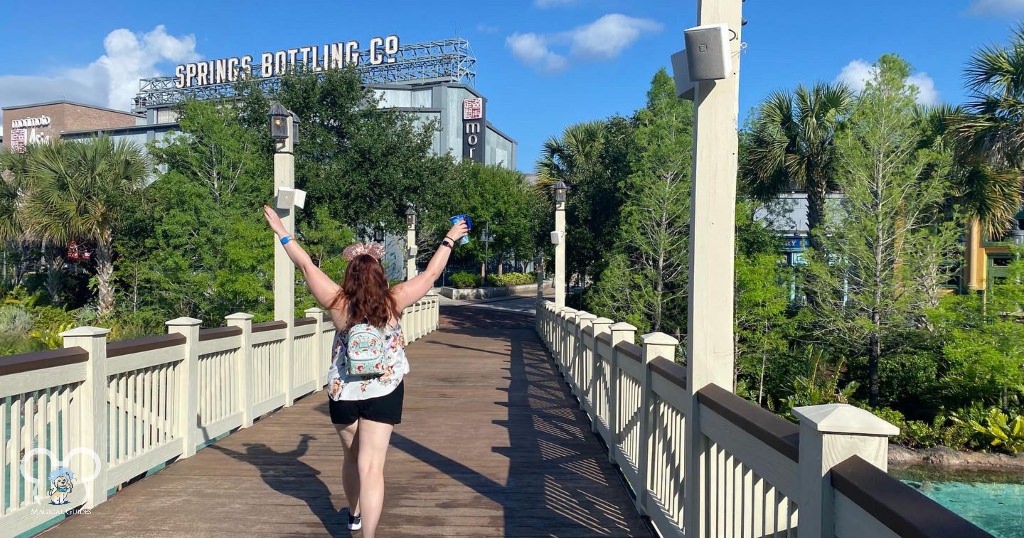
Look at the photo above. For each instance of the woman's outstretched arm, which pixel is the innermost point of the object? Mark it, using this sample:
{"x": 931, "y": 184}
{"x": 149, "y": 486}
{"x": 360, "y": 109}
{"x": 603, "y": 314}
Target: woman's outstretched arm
{"x": 413, "y": 290}
{"x": 323, "y": 288}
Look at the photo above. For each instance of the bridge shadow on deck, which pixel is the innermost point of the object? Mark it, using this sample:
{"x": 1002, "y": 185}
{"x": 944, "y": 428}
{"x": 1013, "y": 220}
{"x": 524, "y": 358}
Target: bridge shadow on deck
{"x": 491, "y": 444}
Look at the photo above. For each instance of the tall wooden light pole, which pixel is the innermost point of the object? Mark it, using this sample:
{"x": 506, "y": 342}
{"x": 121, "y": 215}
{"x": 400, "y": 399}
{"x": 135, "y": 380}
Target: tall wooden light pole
{"x": 709, "y": 342}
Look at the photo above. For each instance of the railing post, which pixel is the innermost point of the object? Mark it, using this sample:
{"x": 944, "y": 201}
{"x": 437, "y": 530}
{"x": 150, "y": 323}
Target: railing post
{"x": 319, "y": 353}
{"x": 601, "y": 326}
{"x": 93, "y": 410}
{"x": 655, "y": 345}
{"x": 621, "y": 332}
{"x": 829, "y": 434}
{"x": 566, "y": 317}
{"x": 583, "y": 361}
{"x": 243, "y": 321}
{"x": 188, "y": 383}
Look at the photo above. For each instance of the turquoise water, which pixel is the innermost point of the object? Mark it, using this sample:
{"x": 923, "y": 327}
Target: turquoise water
{"x": 992, "y": 501}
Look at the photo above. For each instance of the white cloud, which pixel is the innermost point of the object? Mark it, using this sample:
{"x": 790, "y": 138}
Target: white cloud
{"x": 487, "y": 28}
{"x": 927, "y": 94}
{"x": 603, "y": 39}
{"x": 996, "y": 7}
{"x": 608, "y": 36}
{"x": 532, "y": 49}
{"x": 112, "y": 79}
{"x": 857, "y": 73}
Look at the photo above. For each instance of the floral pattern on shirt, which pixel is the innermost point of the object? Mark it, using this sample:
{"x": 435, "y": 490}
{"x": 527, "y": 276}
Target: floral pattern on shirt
{"x": 358, "y": 387}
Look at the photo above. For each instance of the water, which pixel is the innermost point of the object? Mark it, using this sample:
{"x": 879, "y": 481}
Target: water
{"x": 993, "y": 501}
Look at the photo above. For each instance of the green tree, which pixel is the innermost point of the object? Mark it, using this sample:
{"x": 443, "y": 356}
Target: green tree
{"x": 653, "y": 233}
{"x": 366, "y": 164}
{"x": 79, "y": 191}
{"x": 889, "y": 226}
{"x": 989, "y": 133}
{"x": 763, "y": 328}
{"x": 504, "y": 202}
{"x": 792, "y": 146}
{"x": 206, "y": 252}
{"x": 982, "y": 343}
{"x": 593, "y": 160}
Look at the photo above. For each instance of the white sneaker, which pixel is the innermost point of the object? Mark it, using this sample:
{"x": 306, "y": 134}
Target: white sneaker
{"x": 355, "y": 522}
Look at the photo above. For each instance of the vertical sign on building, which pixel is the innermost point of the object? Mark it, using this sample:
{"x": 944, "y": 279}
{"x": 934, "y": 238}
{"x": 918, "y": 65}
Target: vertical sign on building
{"x": 18, "y": 140}
{"x": 473, "y": 128}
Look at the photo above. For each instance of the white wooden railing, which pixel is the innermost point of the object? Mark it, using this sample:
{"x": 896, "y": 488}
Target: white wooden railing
{"x": 710, "y": 464}
{"x": 140, "y": 403}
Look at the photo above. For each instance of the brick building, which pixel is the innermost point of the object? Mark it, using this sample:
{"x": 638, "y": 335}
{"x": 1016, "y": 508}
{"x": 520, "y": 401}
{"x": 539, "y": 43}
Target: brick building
{"x": 26, "y": 124}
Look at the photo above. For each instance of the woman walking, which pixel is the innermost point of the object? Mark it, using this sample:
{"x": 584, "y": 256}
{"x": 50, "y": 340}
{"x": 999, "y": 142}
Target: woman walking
{"x": 365, "y": 408}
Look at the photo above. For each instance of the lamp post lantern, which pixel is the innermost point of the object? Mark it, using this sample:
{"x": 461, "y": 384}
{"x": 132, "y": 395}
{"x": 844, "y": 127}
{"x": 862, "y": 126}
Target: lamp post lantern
{"x": 410, "y": 243}
{"x": 558, "y": 238}
{"x": 282, "y": 125}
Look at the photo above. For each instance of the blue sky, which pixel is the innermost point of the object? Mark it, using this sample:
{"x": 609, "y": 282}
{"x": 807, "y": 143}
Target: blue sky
{"x": 542, "y": 64}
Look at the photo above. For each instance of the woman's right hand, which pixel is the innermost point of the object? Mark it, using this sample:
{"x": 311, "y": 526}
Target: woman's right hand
{"x": 458, "y": 231}
{"x": 274, "y": 221}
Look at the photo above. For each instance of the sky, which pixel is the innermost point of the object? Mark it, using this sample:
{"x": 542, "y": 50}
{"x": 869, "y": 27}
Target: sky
{"x": 542, "y": 64}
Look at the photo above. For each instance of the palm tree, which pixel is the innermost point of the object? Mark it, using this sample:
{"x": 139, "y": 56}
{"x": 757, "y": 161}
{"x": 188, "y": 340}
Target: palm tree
{"x": 792, "y": 145}
{"x": 78, "y": 191}
{"x": 989, "y": 132}
{"x": 570, "y": 157}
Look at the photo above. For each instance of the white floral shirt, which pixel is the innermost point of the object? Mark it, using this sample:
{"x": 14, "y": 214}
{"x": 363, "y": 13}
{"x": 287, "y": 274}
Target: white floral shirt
{"x": 362, "y": 388}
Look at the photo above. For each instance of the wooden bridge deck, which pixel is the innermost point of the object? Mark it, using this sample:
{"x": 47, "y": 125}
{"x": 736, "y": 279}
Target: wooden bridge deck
{"x": 491, "y": 444}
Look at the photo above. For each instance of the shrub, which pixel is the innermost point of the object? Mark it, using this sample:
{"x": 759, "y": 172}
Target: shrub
{"x": 511, "y": 279}
{"x": 464, "y": 280}
{"x": 1008, "y": 436}
{"x": 14, "y": 320}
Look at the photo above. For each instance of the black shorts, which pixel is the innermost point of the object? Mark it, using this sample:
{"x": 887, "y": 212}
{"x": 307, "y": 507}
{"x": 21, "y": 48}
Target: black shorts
{"x": 386, "y": 409}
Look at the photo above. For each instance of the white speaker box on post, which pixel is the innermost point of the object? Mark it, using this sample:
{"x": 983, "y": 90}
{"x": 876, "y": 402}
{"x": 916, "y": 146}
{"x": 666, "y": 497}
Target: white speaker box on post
{"x": 685, "y": 88}
{"x": 707, "y": 52}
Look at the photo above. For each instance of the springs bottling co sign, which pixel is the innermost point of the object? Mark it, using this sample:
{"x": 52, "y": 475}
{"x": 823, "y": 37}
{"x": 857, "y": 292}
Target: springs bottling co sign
{"x": 382, "y": 50}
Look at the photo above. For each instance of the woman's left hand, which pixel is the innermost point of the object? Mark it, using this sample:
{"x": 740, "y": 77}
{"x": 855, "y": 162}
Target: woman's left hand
{"x": 274, "y": 221}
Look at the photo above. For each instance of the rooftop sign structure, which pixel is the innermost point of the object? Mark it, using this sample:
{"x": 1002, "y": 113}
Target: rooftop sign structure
{"x": 384, "y": 61}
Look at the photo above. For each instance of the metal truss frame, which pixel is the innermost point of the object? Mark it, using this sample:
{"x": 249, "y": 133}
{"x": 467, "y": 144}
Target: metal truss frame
{"x": 446, "y": 60}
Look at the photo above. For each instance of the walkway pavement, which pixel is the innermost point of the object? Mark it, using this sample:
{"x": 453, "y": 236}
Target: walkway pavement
{"x": 492, "y": 444}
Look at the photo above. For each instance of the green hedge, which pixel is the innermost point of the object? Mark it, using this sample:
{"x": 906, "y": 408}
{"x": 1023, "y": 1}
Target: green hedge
{"x": 470, "y": 280}
{"x": 511, "y": 279}
{"x": 464, "y": 280}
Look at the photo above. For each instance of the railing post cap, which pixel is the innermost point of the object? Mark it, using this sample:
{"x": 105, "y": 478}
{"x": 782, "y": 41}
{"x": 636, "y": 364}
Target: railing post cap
{"x": 237, "y": 315}
{"x": 843, "y": 419}
{"x": 87, "y": 330}
{"x": 314, "y": 310}
{"x": 658, "y": 339}
{"x": 623, "y": 326}
{"x": 183, "y": 322}
{"x": 585, "y": 316}
{"x": 603, "y": 321}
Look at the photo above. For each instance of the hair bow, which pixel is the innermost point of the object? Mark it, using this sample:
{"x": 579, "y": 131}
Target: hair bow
{"x": 358, "y": 249}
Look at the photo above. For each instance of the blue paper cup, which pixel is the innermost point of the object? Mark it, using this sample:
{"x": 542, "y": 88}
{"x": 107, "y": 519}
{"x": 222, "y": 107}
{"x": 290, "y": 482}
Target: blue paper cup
{"x": 469, "y": 224}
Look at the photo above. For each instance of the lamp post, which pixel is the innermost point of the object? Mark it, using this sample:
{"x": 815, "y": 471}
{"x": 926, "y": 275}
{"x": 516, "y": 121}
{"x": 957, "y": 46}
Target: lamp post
{"x": 281, "y": 124}
{"x": 538, "y": 269}
{"x": 558, "y": 238}
{"x": 410, "y": 242}
{"x": 282, "y": 129}
{"x": 486, "y": 238}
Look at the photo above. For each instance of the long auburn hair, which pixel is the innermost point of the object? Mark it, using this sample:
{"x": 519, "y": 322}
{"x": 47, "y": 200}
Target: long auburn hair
{"x": 366, "y": 289}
